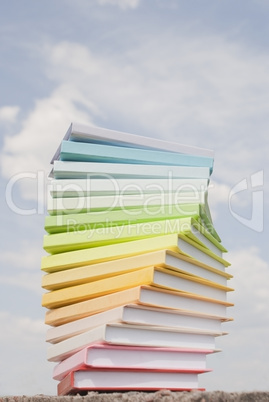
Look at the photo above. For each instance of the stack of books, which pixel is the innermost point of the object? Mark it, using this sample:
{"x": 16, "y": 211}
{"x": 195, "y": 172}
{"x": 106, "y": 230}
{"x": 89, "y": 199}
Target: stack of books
{"x": 135, "y": 277}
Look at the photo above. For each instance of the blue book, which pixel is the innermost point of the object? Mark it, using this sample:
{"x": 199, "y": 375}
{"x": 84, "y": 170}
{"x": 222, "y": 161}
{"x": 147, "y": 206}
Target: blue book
{"x": 86, "y": 152}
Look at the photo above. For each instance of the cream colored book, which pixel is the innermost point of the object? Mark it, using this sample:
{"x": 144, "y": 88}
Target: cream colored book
{"x": 137, "y": 314}
{"x": 145, "y": 295}
{"x": 136, "y": 335}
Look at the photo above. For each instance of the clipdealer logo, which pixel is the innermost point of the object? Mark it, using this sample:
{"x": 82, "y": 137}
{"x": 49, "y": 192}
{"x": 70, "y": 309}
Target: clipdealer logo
{"x": 154, "y": 195}
{"x": 255, "y": 222}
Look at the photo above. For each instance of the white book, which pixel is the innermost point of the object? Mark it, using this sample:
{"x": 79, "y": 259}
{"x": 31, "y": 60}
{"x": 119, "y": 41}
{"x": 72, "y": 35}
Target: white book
{"x": 136, "y": 335}
{"x": 83, "y": 170}
{"x": 92, "y": 134}
{"x": 99, "y": 355}
{"x": 140, "y": 315}
{"x": 125, "y": 202}
{"x": 110, "y": 186}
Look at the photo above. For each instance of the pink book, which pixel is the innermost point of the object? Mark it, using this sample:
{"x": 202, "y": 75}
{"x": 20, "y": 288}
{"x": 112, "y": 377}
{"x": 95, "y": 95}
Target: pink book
{"x": 118, "y": 357}
{"x": 83, "y": 381}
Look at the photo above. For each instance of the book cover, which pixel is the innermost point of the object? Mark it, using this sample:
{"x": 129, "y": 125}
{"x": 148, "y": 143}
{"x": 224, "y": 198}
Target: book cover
{"x": 88, "y": 152}
{"x": 86, "y": 256}
{"x": 92, "y": 134}
{"x": 108, "y": 215}
{"x": 100, "y": 355}
{"x": 82, "y": 170}
{"x": 134, "y": 335}
{"x": 154, "y": 276}
{"x": 137, "y": 314}
{"x": 132, "y": 186}
{"x": 64, "y": 222}
{"x": 120, "y": 380}
{"x": 111, "y": 234}
{"x": 145, "y": 295}
{"x": 162, "y": 258}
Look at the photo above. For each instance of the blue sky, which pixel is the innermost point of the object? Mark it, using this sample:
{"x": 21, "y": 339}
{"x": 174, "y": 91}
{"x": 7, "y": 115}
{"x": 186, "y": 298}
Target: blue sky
{"x": 186, "y": 71}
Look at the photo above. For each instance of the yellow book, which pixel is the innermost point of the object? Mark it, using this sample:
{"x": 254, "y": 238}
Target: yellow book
{"x": 155, "y": 276}
{"x": 161, "y": 258}
{"x": 144, "y": 295}
{"x": 181, "y": 244}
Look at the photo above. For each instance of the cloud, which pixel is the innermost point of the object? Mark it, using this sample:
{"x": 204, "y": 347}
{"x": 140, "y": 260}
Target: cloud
{"x": 22, "y": 355}
{"x": 27, "y": 256}
{"x": 20, "y": 327}
{"x": 28, "y": 153}
{"x": 28, "y": 282}
{"x": 9, "y": 113}
{"x": 251, "y": 278}
{"x": 41, "y": 132}
{"x": 120, "y": 3}
{"x": 204, "y": 91}
{"x": 246, "y": 343}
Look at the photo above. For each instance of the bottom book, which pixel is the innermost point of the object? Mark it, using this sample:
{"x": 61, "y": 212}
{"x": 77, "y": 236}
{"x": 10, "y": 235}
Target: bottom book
{"x": 83, "y": 381}
{"x": 107, "y": 356}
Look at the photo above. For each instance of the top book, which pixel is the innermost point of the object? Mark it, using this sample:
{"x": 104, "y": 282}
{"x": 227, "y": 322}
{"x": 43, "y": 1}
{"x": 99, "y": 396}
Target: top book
{"x": 97, "y": 135}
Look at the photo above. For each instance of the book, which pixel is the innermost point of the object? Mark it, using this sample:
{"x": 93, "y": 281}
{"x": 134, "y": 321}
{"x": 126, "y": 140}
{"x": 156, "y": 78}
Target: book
{"x": 162, "y": 258}
{"x": 132, "y": 204}
{"x": 137, "y": 314}
{"x": 84, "y": 170}
{"x": 101, "y": 153}
{"x": 145, "y": 295}
{"x": 154, "y": 276}
{"x": 86, "y": 256}
{"x": 136, "y": 335}
{"x": 103, "y": 235}
{"x": 100, "y": 355}
{"x": 63, "y": 188}
{"x": 97, "y": 135}
{"x": 83, "y": 381}
{"x": 124, "y": 216}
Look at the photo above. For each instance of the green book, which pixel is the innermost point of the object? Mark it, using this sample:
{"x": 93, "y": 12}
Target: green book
{"x": 104, "y": 235}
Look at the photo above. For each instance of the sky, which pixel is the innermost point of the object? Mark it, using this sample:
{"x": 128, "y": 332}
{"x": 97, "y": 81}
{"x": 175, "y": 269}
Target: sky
{"x": 185, "y": 71}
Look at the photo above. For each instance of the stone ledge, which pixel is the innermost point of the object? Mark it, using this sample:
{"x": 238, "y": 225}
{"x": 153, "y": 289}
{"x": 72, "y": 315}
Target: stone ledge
{"x": 162, "y": 396}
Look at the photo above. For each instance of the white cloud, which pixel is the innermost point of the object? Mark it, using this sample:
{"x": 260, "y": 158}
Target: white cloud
{"x": 31, "y": 150}
{"x": 26, "y": 281}
{"x": 120, "y": 3}
{"x": 203, "y": 91}
{"x": 23, "y": 357}
{"x": 251, "y": 278}
{"x": 246, "y": 343}
{"x": 42, "y": 132}
{"x": 27, "y": 256}
{"x": 9, "y": 113}
{"x": 20, "y": 327}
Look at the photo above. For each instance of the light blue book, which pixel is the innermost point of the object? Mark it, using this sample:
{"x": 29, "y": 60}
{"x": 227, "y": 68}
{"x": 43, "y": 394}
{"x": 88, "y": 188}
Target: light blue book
{"x": 86, "y": 152}
{"x": 97, "y": 135}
